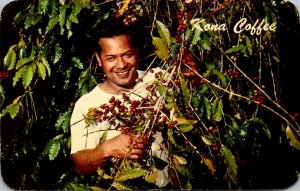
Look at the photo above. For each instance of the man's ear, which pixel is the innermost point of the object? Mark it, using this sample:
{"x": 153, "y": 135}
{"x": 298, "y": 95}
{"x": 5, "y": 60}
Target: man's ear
{"x": 98, "y": 58}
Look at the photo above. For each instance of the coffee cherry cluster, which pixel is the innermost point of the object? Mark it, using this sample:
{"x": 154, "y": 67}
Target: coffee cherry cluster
{"x": 130, "y": 10}
{"x": 4, "y": 74}
{"x": 182, "y": 23}
{"x": 258, "y": 99}
{"x": 233, "y": 73}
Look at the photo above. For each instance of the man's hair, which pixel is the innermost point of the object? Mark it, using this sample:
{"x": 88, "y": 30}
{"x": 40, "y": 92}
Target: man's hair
{"x": 110, "y": 28}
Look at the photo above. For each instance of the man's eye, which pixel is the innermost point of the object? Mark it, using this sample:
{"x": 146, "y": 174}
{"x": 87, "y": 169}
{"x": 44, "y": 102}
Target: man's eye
{"x": 110, "y": 59}
{"x": 128, "y": 55}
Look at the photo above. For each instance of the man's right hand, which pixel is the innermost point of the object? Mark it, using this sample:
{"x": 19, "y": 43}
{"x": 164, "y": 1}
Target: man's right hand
{"x": 126, "y": 146}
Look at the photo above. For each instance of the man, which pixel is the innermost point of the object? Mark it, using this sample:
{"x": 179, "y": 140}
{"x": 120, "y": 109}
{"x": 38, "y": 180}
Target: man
{"x": 117, "y": 55}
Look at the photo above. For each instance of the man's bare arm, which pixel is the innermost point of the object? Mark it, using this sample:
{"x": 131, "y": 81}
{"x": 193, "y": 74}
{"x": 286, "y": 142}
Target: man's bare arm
{"x": 87, "y": 161}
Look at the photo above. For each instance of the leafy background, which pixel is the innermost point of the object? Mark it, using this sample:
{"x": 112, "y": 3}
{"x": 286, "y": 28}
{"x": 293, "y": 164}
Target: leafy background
{"x": 47, "y": 64}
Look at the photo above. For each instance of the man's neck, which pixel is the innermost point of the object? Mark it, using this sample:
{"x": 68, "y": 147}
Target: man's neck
{"x": 114, "y": 89}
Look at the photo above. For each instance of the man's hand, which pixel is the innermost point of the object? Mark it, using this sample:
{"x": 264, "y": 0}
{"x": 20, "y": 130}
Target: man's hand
{"x": 127, "y": 146}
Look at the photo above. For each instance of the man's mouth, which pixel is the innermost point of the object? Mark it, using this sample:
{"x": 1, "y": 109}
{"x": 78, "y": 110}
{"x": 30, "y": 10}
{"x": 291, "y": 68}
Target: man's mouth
{"x": 123, "y": 73}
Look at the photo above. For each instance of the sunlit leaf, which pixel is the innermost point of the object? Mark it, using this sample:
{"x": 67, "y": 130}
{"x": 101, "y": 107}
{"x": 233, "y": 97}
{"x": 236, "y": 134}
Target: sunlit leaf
{"x": 12, "y": 110}
{"x": 42, "y": 6}
{"x": 181, "y": 121}
{"x": 180, "y": 159}
{"x": 151, "y": 177}
{"x": 164, "y": 33}
{"x": 19, "y": 74}
{"x": 217, "y": 109}
{"x": 206, "y": 140}
{"x": 41, "y": 70}
{"x": 54, "y": 150}
{"x": 46, "y": 64}
{"x": 210, "y": 165}
{"x": 229, "y": 160}
{"x": 162, "y": 90}
{"x": 103, "y": 137}
{"x": 10, "y": 58}
{"x": 294, "y": 139}
{"x": 22, "y": 62}
{"x": 186, "y": 127}
{"x": 162, "y": 51}
{"x": 52, "y": 23}
{"x": 130, "y": 173}
{"x": 28, "y": 74}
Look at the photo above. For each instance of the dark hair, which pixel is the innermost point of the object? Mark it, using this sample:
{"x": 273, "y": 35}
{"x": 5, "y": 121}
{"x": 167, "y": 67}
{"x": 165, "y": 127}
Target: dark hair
{"x": 111, "y": 28}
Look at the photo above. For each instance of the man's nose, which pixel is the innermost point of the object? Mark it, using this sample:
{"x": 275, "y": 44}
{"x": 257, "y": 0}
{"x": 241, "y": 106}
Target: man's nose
{"x": 121, "y": 63}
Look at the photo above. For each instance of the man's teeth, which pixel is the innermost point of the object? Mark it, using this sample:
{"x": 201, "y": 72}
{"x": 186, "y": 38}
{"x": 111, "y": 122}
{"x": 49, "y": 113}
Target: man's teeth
{"x": 123, "y": 72}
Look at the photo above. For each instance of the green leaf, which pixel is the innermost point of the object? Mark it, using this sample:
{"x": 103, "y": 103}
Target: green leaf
{"x": 195, "y": 102}
{"x": 184, "y": 171}
{"x": 46, "y": 64}
{"x": 249, "y": 45}
{"x": 52, "y": 23}
{"x": 63, "y": 121}
{"x": 229, "y": 160}
{"x": 73, "y": 18}
{"x": 217, "y": 109}
{"x": 10, "y": 58}
{"x": 220, "y": 76}
{"x": 19, "y": 74}
{"x": 28, "y": 75}
{"x": 130, "y": 173}
{"x": 54, "y": 150}
{"x": 203, "y": 89}
{"x": 58, "y": 53}
{"x": 12, "y": 110}
{"x": 79, "y": 187}
{"x": 164, "y": 33}
{"x": 162, "y": 90}
{"x": 103, "y": 137}
{"x": 162, "y": 51}
{"x": 294, "y": 139}
{"x": 41, "y": 70}
{"x": 207, "y": 107}
{"x": 186, "y": 127}
{"x": 22, "y": 62}
{"x": 185, "y": 91}
{"x": 236, "y": 49}
{"x": 205, "y": 43}
{"x": 42, "y": 6}
{"x": 77, "y": 63}
{"x": 2, "y": 95}
{"x": 196, "y": 36}
{"x": 62, "y": 18}
{"x": 171, "y": 137}
{"x": 151, "y": 178}
{"x": 120, "y": 186}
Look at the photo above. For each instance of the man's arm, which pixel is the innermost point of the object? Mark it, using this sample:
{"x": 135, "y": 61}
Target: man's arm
{"x": 122, "y": 146}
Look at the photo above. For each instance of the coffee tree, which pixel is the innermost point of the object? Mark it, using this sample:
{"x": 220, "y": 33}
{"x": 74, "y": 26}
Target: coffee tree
{"x": 218, "y": 124}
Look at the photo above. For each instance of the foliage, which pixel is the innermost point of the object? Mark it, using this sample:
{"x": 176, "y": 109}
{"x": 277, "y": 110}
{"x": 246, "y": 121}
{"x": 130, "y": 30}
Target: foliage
{"x": 216, "y": 125}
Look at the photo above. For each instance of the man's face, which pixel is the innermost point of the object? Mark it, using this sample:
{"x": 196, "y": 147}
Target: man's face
{"x": 118, "y": 59}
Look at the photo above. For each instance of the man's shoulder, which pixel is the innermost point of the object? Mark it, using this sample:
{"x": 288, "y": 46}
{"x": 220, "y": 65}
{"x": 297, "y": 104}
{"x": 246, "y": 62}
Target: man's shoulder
{"x": 91, "y": 95}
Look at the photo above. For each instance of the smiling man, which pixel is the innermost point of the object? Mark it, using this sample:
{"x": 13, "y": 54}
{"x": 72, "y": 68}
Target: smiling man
{"x": 117, "y": 55}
